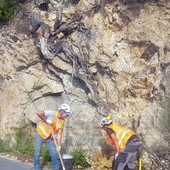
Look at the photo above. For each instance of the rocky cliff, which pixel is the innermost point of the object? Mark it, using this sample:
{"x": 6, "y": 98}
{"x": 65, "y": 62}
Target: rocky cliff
{"x": 100, "y": 57}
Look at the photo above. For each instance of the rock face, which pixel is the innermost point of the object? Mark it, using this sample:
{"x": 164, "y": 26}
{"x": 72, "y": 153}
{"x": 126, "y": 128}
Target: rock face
{"x": 122, "y": 54}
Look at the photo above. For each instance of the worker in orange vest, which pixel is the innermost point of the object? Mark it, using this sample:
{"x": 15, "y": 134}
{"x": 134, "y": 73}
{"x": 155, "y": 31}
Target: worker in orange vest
{"x": 51, "y": 121}
{"x": 125, "y": 142}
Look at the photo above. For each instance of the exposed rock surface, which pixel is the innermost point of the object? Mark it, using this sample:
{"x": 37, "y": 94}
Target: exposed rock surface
{"x": 123, "y": 56}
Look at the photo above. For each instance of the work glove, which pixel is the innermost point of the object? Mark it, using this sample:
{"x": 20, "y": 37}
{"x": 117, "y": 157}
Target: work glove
{"x": 49, "y": 121}
{"x": 116, "y": 155}
{"x": 59, "y": 148}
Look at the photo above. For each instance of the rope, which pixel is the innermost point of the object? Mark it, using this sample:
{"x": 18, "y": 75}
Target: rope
{"x": 151, "y": 151}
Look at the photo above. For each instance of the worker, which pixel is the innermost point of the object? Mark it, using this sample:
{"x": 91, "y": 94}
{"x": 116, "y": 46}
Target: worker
{"x": 125, "y": 142}
{"x": 50, "y": 121}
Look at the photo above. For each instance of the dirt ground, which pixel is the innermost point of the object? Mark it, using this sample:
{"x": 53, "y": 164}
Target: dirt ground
{"x": 18, "y": 156}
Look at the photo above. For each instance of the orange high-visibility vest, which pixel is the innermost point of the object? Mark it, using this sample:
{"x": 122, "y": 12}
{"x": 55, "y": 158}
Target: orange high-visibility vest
{"x": 122, "y": 134}
{"x": 44, "y": 129}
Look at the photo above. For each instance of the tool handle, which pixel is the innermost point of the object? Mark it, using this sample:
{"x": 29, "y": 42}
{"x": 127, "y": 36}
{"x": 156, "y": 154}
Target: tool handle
{"x": 55, "y": 142}
{"x": 140, "y": 164}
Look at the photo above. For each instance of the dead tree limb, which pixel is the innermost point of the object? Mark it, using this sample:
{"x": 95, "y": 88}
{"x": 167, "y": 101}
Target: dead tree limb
{"x": 43, "y": 34}
{"x": 50, "y": 46}
{"x": 67, "y": 27}
{"x": 59, "y": 14}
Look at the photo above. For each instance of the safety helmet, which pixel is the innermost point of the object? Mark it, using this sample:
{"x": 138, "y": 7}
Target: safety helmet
{"x": 66, "y": 108}
{"x": 106, "y": 120}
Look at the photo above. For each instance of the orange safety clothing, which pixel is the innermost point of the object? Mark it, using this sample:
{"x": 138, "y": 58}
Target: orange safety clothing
{"x": 44, "y": 129}
{"x": 122, "y": 134}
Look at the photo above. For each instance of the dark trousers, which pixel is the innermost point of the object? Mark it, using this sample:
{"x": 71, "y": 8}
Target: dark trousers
{"x": 126, "y": 157}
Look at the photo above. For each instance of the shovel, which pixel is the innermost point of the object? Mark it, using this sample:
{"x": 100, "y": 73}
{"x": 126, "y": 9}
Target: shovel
{"x": 55, "y": 142}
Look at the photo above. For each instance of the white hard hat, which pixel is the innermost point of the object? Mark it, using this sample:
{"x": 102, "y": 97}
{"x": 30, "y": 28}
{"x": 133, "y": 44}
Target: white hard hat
{"x": 66, "y": 108}
{"x": 106, "y": 121}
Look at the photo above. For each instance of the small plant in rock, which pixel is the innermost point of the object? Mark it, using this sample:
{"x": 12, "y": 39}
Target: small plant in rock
{"x": 2, "y": 149}
{"x": 79, "y": 157}
{"x": 7, "y": 10}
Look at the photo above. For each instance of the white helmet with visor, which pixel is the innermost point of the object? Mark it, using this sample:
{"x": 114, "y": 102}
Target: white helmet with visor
{"x": 66, "y": 108}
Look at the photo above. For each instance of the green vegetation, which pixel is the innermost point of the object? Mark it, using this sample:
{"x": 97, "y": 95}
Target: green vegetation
{"x": 79, "y": 157}
{"x": 25, "y": 144}
{"x": 2, "y": 149}
{"x": 8, "y": 9}
{"x": 166, "y": 119}
{"x": 24, "y": 141}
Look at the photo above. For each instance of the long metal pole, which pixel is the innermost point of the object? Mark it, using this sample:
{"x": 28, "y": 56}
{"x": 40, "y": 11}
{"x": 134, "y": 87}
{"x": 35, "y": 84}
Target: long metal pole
{"x": 55, "y": 142}
{"x": 140, "y": 154}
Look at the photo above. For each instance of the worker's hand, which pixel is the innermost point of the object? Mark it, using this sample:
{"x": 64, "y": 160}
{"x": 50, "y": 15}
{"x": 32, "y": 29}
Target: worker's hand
{"x": 49, "y": 121}
{"x": 59, "y": 148}
{"x": 116, "y": 155}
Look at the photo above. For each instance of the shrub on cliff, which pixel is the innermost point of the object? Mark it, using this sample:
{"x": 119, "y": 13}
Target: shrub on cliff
{"x": 8, "y": 9}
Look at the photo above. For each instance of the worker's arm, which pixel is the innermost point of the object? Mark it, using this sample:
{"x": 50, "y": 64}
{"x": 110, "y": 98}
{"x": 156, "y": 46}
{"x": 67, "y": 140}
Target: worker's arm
{"x": 43, "y": 117}
{"x": 115, "y": 142}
